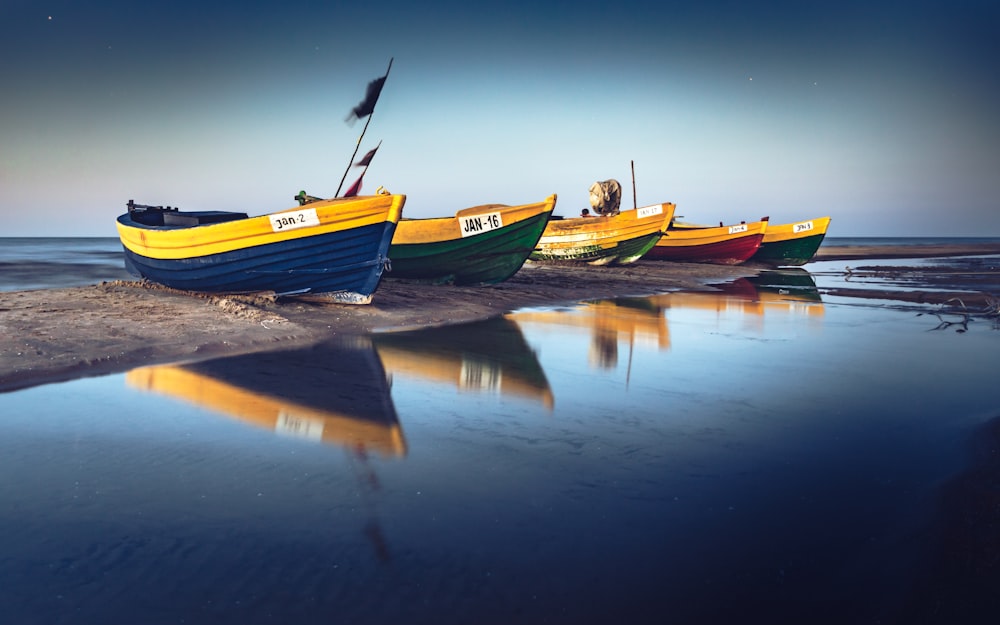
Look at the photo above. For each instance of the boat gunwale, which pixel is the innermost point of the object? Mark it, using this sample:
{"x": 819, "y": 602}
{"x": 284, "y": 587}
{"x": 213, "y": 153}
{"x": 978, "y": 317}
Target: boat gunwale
{"x": 778, "y": 233}
{"x": 203, "y": 240}
{"x": 418, "y": 231}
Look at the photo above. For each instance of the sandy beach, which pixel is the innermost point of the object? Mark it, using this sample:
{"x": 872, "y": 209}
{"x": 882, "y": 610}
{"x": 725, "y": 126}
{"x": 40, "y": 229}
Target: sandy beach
{"x": 60, "y": 334}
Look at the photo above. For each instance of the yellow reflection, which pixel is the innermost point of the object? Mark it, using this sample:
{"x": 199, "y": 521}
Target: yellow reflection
{"x": 642, "y": 321}
{"x": 336, "y": 393}
{"x": 632, "y": 320}
{"x": 787, "y": 291}
{"x": 483, "y": 357}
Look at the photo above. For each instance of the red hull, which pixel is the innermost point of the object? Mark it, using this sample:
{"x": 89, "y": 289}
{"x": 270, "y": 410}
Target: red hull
{"x": 730, "y": 252}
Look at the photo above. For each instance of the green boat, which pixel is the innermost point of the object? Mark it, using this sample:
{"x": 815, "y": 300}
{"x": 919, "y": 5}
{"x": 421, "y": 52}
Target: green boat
{"x": 791, "y": 244}
{"x": 479, "y": 245}
{"x": 612, "y": 239}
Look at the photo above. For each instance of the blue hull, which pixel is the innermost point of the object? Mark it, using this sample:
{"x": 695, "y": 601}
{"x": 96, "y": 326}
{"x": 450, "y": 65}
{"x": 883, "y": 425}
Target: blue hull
{"x": 346, "y": 261}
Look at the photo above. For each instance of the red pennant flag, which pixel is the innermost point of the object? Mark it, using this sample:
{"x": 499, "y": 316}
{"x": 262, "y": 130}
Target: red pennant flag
{"x": 354, "y": 188}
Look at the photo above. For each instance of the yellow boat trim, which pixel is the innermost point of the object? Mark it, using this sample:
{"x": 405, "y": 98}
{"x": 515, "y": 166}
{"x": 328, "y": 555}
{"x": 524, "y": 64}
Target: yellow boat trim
{"x": 440, "y": 229}
{"x": 333, "y": 215}
{"x": 796, "y": 230}
{"x": 685, "y": 236}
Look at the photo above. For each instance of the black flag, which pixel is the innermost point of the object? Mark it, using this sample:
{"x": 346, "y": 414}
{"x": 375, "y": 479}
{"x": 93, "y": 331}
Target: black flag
{"x": 365, "y": 109}
{"x": 366, "y": 160}
{"x": 367, "y": 105}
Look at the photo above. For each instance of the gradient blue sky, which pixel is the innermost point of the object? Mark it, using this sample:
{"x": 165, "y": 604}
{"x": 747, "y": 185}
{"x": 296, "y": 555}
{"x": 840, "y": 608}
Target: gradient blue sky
{"x": 883, "y": 115}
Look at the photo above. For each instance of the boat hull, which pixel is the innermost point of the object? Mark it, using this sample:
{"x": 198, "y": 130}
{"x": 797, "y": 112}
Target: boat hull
{"x": 343, "y": 250}
{"x": 479, "y": 245}
{"x": 720, "y": 245}
{"x": 604, "y": 240}
{"x": 791, "y": 244}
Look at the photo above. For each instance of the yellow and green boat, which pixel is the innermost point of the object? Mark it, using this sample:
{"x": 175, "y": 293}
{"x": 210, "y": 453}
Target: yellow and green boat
{"x": 479, "y": 245}
{"x": 791, "y": 244}
{"x": 616, "y": 239}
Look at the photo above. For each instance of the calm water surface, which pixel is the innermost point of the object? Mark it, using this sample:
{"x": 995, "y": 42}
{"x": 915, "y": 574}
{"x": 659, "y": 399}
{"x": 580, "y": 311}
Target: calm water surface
{"x": 756, "y": 455}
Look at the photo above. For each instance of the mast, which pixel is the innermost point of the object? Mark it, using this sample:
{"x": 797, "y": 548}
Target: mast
{"x": 634, "y": 201}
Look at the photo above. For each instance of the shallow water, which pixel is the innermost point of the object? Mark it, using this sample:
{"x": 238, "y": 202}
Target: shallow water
{"x": 41, "y": 263}
{"x": 757, "y": 454}
{"x": 977, "y": 273}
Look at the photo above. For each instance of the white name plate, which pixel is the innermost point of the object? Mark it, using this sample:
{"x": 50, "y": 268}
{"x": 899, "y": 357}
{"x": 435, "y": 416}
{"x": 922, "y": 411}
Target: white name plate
{"x": 649, "y": 211}
{"x": 478, "y": 224}
{"x": 291, "y": 220}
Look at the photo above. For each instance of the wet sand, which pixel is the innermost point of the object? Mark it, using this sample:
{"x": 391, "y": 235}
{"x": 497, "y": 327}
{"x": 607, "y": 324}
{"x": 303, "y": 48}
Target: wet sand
{"x": 61, "y": 334}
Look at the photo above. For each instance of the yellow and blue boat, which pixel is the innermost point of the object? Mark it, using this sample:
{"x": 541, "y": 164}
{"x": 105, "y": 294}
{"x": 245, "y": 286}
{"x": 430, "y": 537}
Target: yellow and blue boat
{"x": 337, "y": 247}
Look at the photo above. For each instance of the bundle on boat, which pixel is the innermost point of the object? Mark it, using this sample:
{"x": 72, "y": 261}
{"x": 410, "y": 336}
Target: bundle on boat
{"x": 611, "y": 237}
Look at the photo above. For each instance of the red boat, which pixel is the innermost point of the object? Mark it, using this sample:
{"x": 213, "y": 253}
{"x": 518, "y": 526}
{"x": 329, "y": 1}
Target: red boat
{"x": 721, "y": 245}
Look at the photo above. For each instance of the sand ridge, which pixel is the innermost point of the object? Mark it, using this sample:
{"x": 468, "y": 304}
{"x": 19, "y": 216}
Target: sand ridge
{"x": 51, "y": 335}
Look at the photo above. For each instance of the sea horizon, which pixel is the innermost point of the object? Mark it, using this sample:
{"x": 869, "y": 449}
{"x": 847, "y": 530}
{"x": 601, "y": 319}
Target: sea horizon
{"x": 28, "y": 263}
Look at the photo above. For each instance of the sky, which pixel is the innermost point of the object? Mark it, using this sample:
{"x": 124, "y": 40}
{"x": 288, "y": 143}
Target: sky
{"x": 884, "y": 116}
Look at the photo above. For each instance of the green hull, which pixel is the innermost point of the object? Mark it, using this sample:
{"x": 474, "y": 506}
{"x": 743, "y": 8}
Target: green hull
{"x": 622, "y": 254}
{"x": 792, "y": 252}
{"x": 797, "y": 282}
{"x": 485, "y": 258}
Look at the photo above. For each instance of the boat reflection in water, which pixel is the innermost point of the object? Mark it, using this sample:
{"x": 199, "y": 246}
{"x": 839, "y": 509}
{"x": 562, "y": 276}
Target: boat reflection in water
{"x": 791, "y": 284}
{"x": 644, "y": 321}
{"x": 489, "y": 356}
{"x": 335, "y": 392}
{"x": 627, "y": 320}
{"x": 786, "y": 291}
